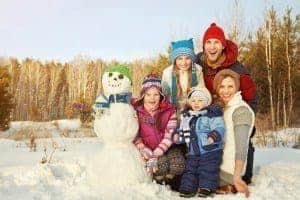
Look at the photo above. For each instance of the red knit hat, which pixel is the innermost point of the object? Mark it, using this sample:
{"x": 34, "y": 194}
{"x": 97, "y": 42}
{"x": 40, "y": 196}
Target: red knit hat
{"x": 216, "y": 32}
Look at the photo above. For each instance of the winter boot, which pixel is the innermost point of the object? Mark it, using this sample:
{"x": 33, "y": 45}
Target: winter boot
{"x": 187, "y": 194}
{"x": 203, "y": 192}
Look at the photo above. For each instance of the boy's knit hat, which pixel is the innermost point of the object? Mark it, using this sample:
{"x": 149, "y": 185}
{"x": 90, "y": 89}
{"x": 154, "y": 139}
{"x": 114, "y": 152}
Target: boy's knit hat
{"x": 216, "y": 32}
{"x": 202, "y": 93}
{"x": 182, "y": 47}
{"x": 122, "y": 69}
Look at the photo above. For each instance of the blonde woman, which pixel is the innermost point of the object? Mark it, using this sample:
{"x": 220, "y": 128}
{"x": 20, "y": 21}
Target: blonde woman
{"x": 183, "y": 73}
{"x": 239, "y": 122}
{"x": 178, "y": 79}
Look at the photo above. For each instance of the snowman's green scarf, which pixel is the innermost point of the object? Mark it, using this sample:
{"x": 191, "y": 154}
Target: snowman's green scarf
{"x": 173, "y": 92}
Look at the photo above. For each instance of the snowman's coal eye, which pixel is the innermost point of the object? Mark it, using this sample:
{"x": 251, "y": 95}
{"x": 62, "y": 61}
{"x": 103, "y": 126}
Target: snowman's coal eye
{"x": 121, "y": 76}
{"x": 110, "y": 74}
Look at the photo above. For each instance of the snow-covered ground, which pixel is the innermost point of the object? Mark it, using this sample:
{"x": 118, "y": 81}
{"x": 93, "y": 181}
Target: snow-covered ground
{"x": 72, "y": 174}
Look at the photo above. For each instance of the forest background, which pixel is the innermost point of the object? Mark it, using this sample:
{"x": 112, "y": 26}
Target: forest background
{"x": 32, "y": 90}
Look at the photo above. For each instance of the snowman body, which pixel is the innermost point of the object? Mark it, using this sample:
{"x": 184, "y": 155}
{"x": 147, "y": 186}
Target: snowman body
{"x": 119, "y": 163}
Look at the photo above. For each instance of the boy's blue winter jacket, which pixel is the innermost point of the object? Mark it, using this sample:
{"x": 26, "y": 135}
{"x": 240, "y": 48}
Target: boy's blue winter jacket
{"x": 209, "y": 124}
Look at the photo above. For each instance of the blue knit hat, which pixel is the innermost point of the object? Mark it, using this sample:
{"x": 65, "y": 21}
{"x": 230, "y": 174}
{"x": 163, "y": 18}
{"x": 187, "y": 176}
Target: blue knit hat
{"x": 182, "y": 47}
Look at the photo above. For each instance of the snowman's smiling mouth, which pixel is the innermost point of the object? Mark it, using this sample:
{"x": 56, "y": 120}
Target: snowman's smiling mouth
{"x": 114, "y": 85}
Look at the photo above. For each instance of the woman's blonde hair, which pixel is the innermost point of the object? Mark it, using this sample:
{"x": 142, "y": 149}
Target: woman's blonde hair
{"x": 178, "y": 88}
{"x": 221, "y": 75}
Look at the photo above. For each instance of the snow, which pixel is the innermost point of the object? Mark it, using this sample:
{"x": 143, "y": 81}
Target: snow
{"x": 74, "y": 174}
{"x": 65, "y": 124}
{"x": 70, "y": 124}
{"x": 283, "y": 138}
{"x": 22, "y": 130}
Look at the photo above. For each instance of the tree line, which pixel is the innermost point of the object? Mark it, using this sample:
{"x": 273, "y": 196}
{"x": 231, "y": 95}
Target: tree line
{"x": 32, "y": 90}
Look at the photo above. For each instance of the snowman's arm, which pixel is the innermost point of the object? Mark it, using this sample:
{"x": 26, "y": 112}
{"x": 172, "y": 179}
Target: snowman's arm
{"x": 101, "y": 104}
{"x": 167, "y": 141}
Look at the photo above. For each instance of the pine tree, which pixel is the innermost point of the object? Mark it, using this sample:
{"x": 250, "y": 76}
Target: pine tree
{"x": 60, "y": 95}
{"x": 281, "y": 45}
{"x": 44, "y": 90}
{"x": 6, "y": 103}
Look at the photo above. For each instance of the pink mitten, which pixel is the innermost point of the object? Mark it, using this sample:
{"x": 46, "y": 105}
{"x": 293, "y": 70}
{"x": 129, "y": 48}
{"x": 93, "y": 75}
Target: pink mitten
{"x": 152, "y": 165}
{"x": 146, "y": 153}
{"x": 158, "y": 152}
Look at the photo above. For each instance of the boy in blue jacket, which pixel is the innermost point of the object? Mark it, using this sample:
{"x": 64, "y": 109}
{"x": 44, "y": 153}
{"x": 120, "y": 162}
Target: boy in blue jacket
{"x": 202, "y": 129}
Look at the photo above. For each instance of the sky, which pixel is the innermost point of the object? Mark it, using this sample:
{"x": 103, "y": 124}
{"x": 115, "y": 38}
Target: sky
{"x": 116, "y": 29}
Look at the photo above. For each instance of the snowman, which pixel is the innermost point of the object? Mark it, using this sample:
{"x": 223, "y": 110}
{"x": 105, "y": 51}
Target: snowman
{"x": 118, "y": 161}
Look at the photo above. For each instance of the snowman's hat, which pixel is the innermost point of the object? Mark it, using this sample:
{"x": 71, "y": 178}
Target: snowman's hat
{"x": 122, "y": 69}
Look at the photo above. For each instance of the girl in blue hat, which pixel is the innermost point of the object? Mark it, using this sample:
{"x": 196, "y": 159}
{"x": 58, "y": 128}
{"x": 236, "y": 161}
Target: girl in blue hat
{"x": 177, "y": 80}
{"x": 182, "y": 74}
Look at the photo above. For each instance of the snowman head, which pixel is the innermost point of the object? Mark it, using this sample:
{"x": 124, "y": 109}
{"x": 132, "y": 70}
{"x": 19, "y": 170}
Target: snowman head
{"x": 116, "y": 80}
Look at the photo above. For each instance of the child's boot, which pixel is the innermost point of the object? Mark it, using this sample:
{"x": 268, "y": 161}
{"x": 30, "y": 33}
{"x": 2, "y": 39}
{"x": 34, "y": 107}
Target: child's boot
{"x": 203, "y": 192}
{"x": 187, "y": 194}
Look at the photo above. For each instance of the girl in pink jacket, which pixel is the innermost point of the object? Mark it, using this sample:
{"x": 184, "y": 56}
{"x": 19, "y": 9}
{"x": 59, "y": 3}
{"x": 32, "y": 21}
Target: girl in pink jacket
{"x": 157, "y": 121}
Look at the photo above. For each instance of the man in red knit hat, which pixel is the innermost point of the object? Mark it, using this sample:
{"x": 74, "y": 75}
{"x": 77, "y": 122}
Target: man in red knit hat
{"x": 218, "y": 54}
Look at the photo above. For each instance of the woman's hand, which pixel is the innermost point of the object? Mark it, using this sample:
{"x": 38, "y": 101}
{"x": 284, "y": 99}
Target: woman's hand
{"x": 240, "y": 185}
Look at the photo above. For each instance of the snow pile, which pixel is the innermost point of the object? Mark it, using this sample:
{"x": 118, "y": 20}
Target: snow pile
{"x": 68, "y": 124}
{"x": 37, "y": 126}
{"x": 24, "y": 130}
{"x": 68, "y": 176}
{"x": 283, "y": 138}
{"x": 288, "y": 137}
{"x": 279, "y": 180}
{"x": 75, "y": 174}
{"x": 277, "y": 173}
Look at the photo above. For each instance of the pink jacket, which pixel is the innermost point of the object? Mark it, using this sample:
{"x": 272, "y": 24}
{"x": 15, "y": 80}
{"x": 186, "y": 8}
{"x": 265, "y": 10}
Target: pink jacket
{"x": 155, "y": 132}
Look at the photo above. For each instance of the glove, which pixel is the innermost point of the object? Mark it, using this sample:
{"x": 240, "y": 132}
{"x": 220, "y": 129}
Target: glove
{"x": 210, "y": 140}
{"x": 176, "y": 138}
{"x": 152, "y": 165}
{"x": 146, "y": 153}
{"x": 158, "y": 152}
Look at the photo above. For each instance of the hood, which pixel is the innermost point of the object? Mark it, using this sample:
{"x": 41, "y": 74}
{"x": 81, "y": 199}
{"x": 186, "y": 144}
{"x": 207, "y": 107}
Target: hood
{"x": 231, "y": 52}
